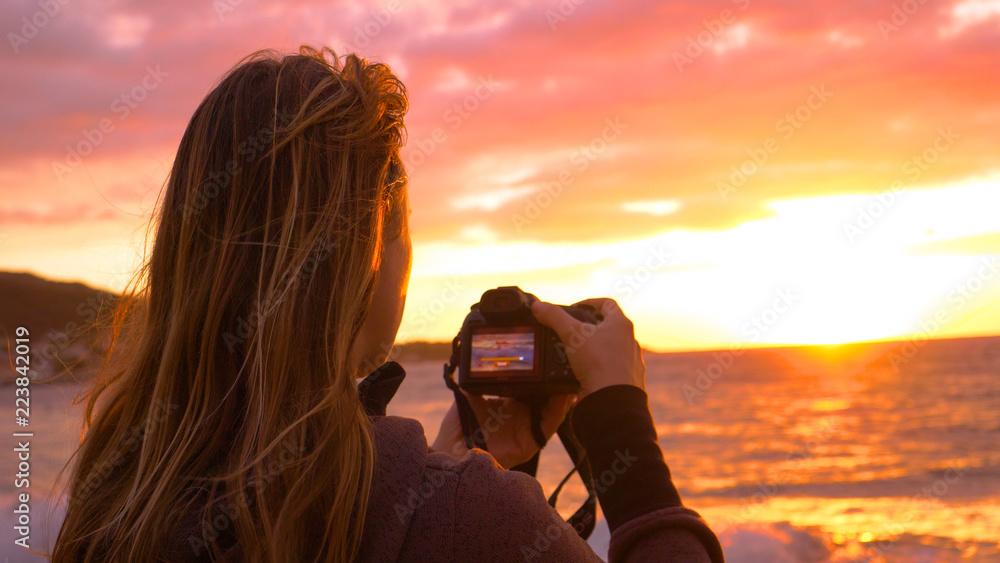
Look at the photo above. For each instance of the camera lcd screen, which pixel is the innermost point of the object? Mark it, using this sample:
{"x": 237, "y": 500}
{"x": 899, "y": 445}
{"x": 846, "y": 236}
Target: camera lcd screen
{"x": 504, "y": 350}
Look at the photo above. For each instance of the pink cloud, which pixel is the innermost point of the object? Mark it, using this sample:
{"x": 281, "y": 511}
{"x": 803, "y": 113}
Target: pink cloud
{"x": 605, "y": 60}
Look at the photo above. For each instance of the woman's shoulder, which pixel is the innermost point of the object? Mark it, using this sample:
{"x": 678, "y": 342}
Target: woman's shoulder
{"x": 403, "y": 455}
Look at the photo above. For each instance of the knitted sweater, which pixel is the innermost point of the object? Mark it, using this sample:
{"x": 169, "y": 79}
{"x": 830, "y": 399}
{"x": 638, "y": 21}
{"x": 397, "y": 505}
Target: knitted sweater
{"x": 428, "y": 506}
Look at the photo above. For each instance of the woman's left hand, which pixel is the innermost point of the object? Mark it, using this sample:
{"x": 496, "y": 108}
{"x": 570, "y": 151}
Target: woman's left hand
{"x": 506, "y": 426}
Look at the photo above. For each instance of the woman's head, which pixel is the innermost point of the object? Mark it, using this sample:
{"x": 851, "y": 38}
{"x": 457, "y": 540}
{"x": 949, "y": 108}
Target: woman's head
{"x": 277, "y": 272}
{"x": 289, "y": 178}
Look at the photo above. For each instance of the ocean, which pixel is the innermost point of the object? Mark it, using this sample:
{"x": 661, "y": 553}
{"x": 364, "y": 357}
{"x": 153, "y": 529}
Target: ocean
{"x": 864, "y": 452}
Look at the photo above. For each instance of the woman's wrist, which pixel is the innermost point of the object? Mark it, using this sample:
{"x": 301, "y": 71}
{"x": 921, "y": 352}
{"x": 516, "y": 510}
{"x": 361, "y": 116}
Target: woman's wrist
{"x": 616, "y": 429}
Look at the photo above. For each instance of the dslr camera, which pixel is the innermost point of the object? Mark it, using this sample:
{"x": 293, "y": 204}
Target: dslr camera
{"x": 504, "y": 351}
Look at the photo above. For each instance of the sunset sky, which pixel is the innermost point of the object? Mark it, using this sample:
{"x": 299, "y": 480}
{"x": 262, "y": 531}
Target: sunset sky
{"x": 754, "y": 171}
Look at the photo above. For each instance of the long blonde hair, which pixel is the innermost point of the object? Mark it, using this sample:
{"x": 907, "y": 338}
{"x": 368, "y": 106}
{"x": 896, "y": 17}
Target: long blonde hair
{"x": 226, "y": 416}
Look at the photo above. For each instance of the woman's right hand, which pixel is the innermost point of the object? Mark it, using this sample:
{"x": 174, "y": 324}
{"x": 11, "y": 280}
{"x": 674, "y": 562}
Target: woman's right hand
{"x": 601, "y": 355}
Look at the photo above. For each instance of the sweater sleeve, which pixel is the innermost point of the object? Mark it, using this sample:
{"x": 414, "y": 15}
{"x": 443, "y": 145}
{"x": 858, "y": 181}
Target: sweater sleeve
{"x": 502, "y": 515}
{"x": 639, "y": 501}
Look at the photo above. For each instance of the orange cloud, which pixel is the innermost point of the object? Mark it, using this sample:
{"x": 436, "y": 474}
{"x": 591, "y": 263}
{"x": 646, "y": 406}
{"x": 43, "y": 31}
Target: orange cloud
{"x": 534, "y": 123}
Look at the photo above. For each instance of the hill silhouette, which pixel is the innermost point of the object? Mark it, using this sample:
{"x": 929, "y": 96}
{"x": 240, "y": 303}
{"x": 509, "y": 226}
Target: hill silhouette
{"x": 67, "y": 322}
{"x": 62, "y": 318}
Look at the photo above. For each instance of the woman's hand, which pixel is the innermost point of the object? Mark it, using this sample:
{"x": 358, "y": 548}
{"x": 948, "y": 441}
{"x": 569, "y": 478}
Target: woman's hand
{"x": 601, "y": 355}
{"x": 506, "y": 426}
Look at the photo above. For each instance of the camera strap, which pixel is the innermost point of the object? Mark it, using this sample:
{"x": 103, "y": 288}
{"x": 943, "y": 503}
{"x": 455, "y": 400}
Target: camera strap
{"x": 471, "y": 431}
{"x": 584, "y": 519}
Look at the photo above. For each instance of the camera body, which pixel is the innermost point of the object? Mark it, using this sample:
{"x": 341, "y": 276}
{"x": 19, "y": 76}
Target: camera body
{"x": 504, "y": 351}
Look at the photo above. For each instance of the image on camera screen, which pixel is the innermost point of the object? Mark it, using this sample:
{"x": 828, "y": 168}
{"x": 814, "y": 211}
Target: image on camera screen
{"x": 513, "y": 349}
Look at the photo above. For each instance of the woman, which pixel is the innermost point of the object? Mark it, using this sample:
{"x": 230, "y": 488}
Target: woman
{"x": 227, "y": 426}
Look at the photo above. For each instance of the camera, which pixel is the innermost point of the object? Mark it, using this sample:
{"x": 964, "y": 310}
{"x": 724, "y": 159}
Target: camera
{"x": 504, "y": 351}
